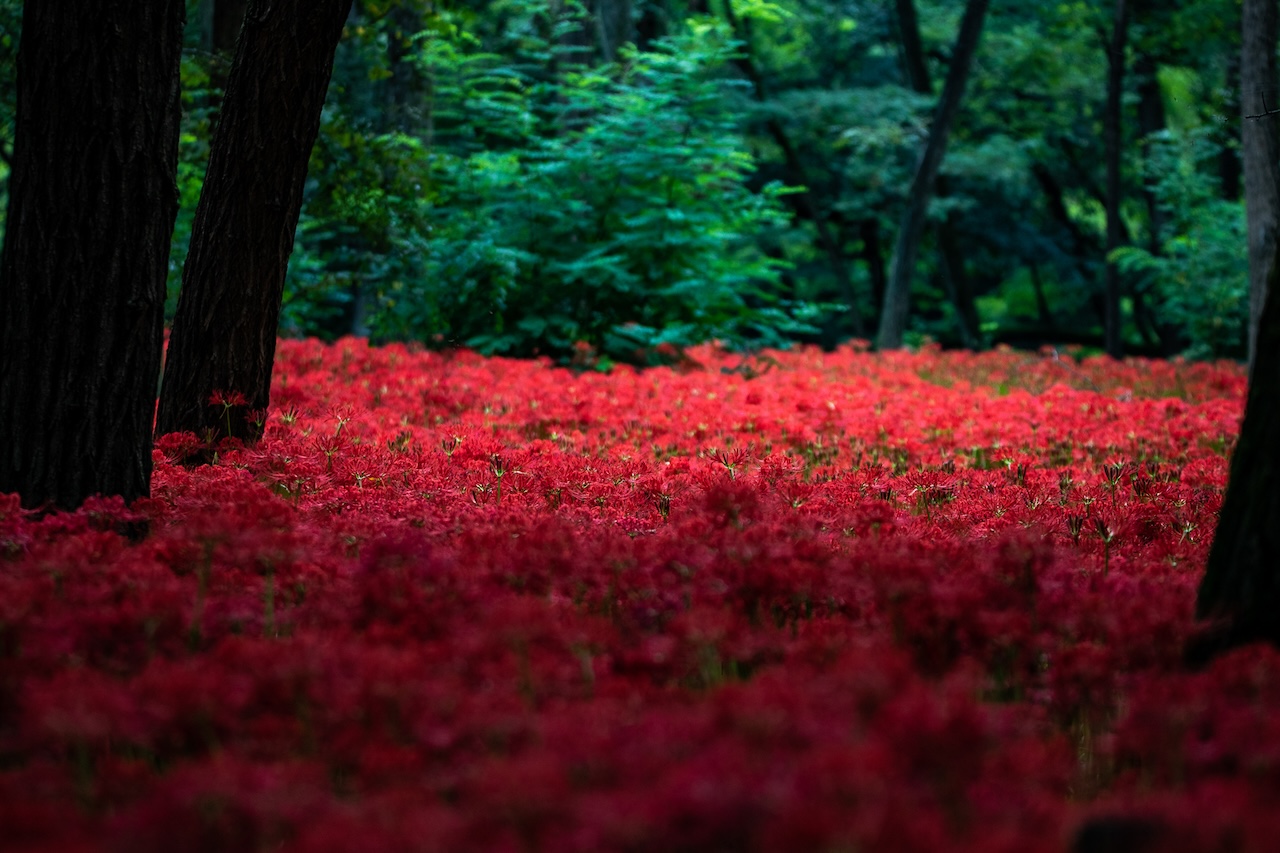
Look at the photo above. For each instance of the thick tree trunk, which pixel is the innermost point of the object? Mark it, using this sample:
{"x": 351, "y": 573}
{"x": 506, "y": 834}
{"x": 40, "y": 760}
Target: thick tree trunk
{"x": 953, "y": 267}
{"x": 1260, "y": 148}
{"x": 82, "y": 279}
{"x": 1240, "y": 591}
{"x": 227, "y": 17}
{"x": 1112, "y": 129}
{"x": 893, "y": 320}
{"x": 1241, "y": 585}
{"x": 224, "y": 334}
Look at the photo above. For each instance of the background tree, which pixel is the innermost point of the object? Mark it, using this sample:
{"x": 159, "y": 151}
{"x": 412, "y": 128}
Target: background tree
{"x": 1025, "y": 170}
{"x": 224, "y": 332}
{"x": 1113, "y": 129}
{"x": 91, "y": 212}
{"x": 893, "y": 320}
{"x": 953, "y": 266}
{"x": 1260, "y": 144}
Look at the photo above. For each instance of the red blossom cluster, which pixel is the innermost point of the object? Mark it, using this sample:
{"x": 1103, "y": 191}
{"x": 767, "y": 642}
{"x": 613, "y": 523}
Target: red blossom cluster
{"x": 802, "y": 601}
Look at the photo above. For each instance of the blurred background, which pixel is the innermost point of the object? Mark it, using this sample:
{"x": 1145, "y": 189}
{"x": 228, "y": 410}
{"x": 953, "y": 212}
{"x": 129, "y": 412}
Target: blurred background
{"x": 629, "y": 177}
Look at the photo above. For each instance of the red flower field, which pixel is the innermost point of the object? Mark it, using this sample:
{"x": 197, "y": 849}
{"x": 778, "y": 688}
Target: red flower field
{"x": 797, "y": 602}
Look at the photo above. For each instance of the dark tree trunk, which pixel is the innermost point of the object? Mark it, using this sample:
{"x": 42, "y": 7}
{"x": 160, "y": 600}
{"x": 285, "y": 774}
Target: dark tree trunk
{"x": 958, "y": 285}
{"x": 1260, "y": 148}
{"x": 1151, "y": 120}
{"x": 874, "y": 256}
{"x": 224, "y": 334}
{"x": 1240, "y": 591}
{"x": 912, "y": 47}
{"x": 1042, "y": 301}
{"x": 228, "y": 16}
{"x": 953, "y": 267}
{"x": 1112, "y": 122}
{"x": 82, "y": 279}
{"x": 1241, "y": 586}
{"x": 893, "y": 320}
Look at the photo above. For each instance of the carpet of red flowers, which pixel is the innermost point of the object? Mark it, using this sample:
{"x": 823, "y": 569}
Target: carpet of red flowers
{"x": 799, "y": 601}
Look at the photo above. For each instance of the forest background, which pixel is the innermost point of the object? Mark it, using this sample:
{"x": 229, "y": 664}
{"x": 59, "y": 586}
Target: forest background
{"x": 635, "y": 176}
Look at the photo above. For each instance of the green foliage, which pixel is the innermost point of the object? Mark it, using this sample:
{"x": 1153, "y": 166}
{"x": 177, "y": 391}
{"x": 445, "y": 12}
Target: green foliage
{"x": 549, "y": 202}
{"x": 1198, "y": 276}
{"x": 509, "y": 175}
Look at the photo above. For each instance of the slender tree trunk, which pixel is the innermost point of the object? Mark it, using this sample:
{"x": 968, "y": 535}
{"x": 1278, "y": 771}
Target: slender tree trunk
{"x": 82, "y": 278}
{"x": 1260, "y": 147}
{"x": 893, "y": 320}
{"x": 958, "y": 285}
{"x": 871, "y": 252}
{"x": 224, "y": 334}
{"x": 953, "y": 267}
{"x": 1112, "y": 122}
{"x": 912, "y": 47}
{"x": 1151, "y": 120}
{"x": 1042, "y": 301}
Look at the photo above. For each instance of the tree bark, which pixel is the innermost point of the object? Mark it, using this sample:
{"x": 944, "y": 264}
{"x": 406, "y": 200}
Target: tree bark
{"x": 227, "y": 17}
{"x": 1260, "y": 148}
{"x": 1240, "y": 590}
{"x": 82, "y": 278}
{"x": 1112, "y": 130}
{"x": 224, "y": 333}
{"x": 893, "y": 320}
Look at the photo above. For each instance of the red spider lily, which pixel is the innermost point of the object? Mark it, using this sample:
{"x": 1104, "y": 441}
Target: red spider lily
{"x": 900, "y": 601}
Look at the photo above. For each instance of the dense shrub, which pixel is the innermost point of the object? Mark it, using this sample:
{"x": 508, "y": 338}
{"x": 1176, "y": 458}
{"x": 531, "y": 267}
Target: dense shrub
{"x": 549, "y": 202}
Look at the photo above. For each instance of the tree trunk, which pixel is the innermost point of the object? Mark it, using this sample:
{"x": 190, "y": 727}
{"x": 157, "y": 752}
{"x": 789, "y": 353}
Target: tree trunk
{"x": 893, "y": 320}
{"x": 1260, "y": 148}
{"x": 1240, "y": 590}
{"x": 1113, "y": 322}
{"x": 1151, "y": 120}
{"x": 1241, "y": 585}
{"x": 224, "y": 334}
{"x": 227, "y": 18}
{"x": 82, "y": 278}
{"x": 953, "y": 268}
{"x": 1042, "y": 301}
{"x": 912, "y": 47}
{"x": 869, "y": 229}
